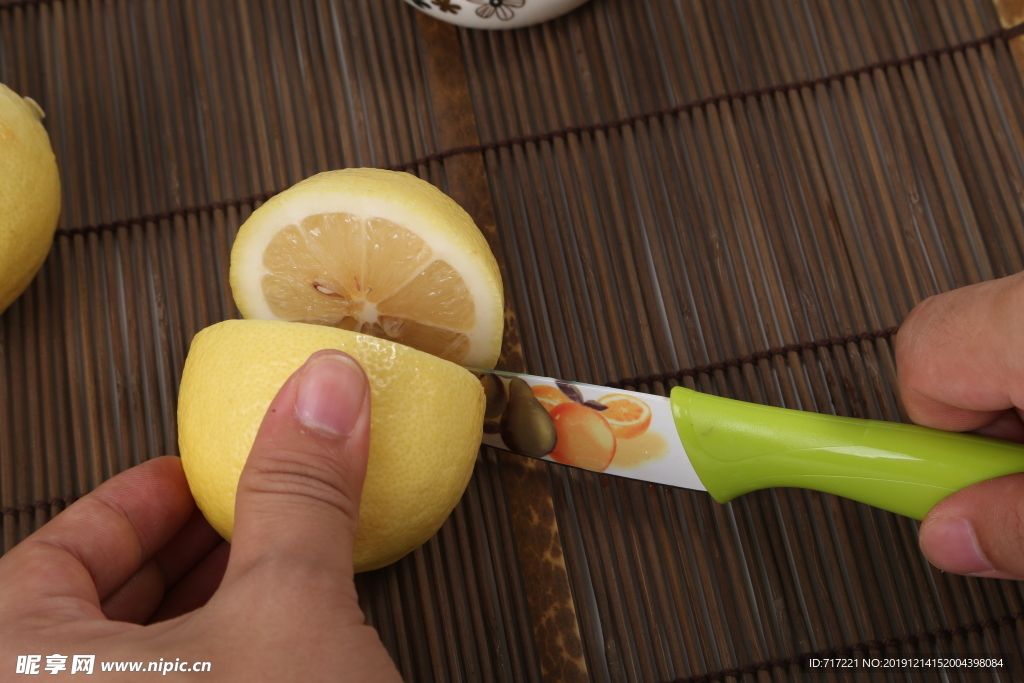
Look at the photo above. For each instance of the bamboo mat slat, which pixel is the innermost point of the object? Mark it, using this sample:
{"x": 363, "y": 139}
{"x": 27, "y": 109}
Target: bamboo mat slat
{"x": 757, "y": 222}
{"x": 743, "y": 197}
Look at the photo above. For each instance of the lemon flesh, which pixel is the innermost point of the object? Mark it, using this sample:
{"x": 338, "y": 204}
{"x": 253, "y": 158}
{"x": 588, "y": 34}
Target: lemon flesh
{"x": 425, "y": 428}
{"x": 377, "y": 252}
{"x": 29, "y": 194}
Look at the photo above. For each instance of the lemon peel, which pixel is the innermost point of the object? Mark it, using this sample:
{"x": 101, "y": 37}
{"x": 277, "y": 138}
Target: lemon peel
{"x": 426, "y": 426}
{"x": 29, "y": 194}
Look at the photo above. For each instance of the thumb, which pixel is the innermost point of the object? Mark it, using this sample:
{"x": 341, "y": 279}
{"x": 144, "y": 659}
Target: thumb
{"x": 978, "y": 531}
{"x": 298, "y": 495}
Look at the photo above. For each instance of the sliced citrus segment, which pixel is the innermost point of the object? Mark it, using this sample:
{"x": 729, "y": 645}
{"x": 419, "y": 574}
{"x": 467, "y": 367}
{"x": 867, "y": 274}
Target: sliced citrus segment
{"x": 377, "y": 252}
{"x": 628, "y": 416}
{"x": 393, "y": 258}
{"x": 436, "y": 295}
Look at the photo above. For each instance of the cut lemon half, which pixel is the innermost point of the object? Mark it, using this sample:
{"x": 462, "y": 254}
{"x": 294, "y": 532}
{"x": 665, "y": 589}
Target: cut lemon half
{"x": 376, "y": 252}
{"x": 425, "y": 426}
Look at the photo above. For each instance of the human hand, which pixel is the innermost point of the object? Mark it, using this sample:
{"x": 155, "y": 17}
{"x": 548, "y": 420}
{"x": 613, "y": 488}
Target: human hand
{"x": 281, "y": 606}
{"x": 960, "y": 365}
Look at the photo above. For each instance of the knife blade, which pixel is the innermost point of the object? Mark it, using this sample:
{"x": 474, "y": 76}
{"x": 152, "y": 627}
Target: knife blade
{"x": 729, "y": 448}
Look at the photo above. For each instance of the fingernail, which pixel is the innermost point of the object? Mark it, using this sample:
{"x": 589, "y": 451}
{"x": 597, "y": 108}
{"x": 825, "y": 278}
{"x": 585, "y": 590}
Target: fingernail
{"x": 331, "y": 394}
{"x": 952, "y": 545}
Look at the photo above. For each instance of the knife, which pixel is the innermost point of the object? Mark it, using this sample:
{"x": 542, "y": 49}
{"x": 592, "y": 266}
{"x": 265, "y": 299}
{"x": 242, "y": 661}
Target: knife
{"x": 729, "y": 448}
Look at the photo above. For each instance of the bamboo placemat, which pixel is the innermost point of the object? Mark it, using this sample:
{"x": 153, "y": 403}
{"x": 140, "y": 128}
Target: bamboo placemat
{"x": 742, "y": 197}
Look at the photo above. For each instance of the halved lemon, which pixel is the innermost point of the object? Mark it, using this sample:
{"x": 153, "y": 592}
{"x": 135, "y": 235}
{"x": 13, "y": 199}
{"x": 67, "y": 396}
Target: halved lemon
{"x": 628, "y": 416}
{"x": 377, "y": 252}
{"x": 425, "y": 426}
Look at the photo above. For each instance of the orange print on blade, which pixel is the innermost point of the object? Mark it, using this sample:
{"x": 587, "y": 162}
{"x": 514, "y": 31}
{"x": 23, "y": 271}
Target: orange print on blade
{"x": 584, "y": 437}
{"x": 628, "y": 416}
{"x": 549, "y": 396}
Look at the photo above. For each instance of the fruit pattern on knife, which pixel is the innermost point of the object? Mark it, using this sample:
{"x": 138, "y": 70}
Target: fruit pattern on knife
{"x": 581, "y": 425}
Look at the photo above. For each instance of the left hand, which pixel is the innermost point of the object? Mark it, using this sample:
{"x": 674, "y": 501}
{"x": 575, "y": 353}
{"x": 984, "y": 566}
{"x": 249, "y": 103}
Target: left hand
{"x": 132, "y": 572}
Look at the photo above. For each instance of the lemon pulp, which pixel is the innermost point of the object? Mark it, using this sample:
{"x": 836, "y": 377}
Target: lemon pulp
{"x": 368, "y": 275}
{"x": 376, "y": 252}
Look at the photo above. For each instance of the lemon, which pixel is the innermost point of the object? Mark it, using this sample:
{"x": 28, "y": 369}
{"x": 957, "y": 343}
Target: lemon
{"x": 29, "y": 194}
{"x": 425, "y": 429}
{"x": 377, "y": 252}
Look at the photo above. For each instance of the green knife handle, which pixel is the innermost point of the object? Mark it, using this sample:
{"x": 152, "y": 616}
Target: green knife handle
{"x": 738, "y": 447}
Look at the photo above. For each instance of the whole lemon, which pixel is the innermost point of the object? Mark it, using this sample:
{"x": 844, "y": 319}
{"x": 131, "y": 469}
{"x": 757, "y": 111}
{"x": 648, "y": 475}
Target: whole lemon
{"x": 29, "y": 194}
{"x": 425, "y": 427}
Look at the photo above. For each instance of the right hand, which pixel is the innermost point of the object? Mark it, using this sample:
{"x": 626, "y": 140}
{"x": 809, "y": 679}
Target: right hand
{"x": 960, "y": 364}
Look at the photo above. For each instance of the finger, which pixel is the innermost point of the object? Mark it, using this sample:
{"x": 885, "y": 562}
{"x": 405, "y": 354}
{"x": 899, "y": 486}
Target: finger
{"x": 189, "y": 547}
{"x": 195, "y": 588}
{"x": 958, "y": 356}
{"x": 298, "y": 496}
{"x": 979, "y": 530}
{"x": 139, "y": 597}
{"x": 1008, "y": 427}
{"x": 100, "y": 541}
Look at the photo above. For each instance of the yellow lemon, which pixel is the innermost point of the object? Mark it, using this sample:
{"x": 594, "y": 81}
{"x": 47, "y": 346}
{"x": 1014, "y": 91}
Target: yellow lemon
{"x": 377, "y": 252}
{"x": 29, "y": 194}
{"x": 426, "y": 426}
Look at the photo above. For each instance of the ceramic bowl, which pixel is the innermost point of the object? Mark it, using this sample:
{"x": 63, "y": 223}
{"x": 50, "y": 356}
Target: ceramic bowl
{"x": 495, "y": 14}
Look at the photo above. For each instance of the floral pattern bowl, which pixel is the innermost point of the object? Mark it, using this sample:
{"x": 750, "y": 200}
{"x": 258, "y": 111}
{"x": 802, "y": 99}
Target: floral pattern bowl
{"x": 495, "y": 14}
